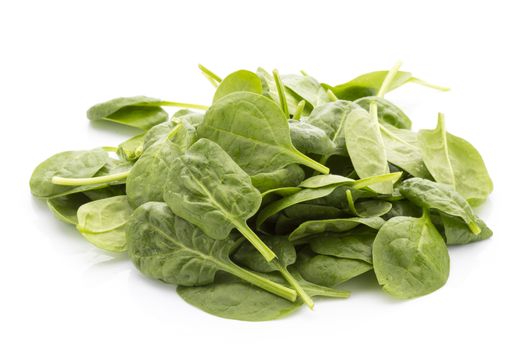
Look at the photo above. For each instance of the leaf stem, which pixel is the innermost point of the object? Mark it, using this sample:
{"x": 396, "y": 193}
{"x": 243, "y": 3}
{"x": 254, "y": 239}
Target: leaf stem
{"x": 209, "y": 74}
{"x": 309, "y": 162}
{"x": 261, "y": 282}
{"x": 367, "y": 181}
{"x": 331, "y": 96}
{"x": 110, "y": 149}
{"x": 299, "y": 110}
{"x": 350, "y": 200}
{"x": 388, "y": 79}
{"x": 295, "y": 285}
{"x": 258, "y": 244}
{"x": 181, "y": 105}
{"x": 280, "y": 91}
{"x": 65, "y": 181}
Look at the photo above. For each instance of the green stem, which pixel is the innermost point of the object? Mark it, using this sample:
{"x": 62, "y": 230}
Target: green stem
{"x": 299, "y": 110}
{"x": 110, "y": 149}
{"x": 280, "y": 91}
{"x": 65, "y": 181}
{"x": 295, "y": 285}
{"x": 350, "y": 200}
{"x": 474, "y": 228}
{"x": 261, "y": 282}
{"x": 388, "y": 79}
{"x": 209, "y": 74}
{"x": 367, "y": 181}
{"x": 331, "y": 96}
{"x": 258, "y": 244}
{"x": 427, "y": 84}
{"x": 174, "y": 132}
{"x": 181, "y": 105}
{"x": 304, "y": 73}
{"x": 309, "y": 162}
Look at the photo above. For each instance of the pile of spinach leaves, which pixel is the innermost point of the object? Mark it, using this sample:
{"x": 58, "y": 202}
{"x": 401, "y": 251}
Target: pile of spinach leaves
{"x": 280, "y": 191}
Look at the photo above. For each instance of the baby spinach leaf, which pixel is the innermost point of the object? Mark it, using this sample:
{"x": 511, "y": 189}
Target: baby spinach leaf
{"x": 317, "y": 290}
{"x": 130, "y": 111}
{"x": 316, "y": 227}
{"x": 365, "y": 146}
{"x": 410, "y": 257}
{"x": 306, "y": 88}
{"x": 372, "y": 207}
{"x": 452, "y": 160}
{"x": 349, "y": 246}
{"x": 289, "y": 176}
{"x": 402, "y": 150}
{"x": 146, "y": 179}
{"x": 207, "y": 188}
{"x": 65, "y": 207}
{"x": 331, "y": 118}
{"x": 254, "y": 132}
{"x": 387, "y": 112}
{"x": 166, "y": 247}
{"x": 457, "y": 232}
{"x": 234, "y": 299}
{"x": 403, "y": 208}
{"x": 241, "y": 80}
{"x": 70, "y": 164}
{"x": 327, "y": 270}
{"x": 310, "y": 139}
{"x": 131, "y": 149}
{"x": 157, "y": 133}
{"x": 431, "y": 195}
{"x": 188, "y": 117}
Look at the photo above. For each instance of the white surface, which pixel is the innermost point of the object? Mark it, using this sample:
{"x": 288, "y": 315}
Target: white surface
{"x": 60, "y": 57}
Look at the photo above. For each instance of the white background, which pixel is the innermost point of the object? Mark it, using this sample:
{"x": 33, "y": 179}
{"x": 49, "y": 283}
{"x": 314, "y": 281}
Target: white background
{"x": 57, "y": 58}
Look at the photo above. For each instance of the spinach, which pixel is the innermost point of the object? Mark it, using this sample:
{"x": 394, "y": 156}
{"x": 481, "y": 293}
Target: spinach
{"x": 452, "y": 160}
{"x": 254, "y": 132}
{"x": 278, "y": 191}
{"x": 130, "y": 111}
{"x": 167, "y": 247}
{"x": 207, "y": 188}
{"x": 410, "y": 257}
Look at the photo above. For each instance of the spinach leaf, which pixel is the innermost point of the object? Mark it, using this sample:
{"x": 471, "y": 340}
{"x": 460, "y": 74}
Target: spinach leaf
{"x": 254, "y": 132}
{"x": 65, "y": 207}
{"x": 349, "y": 246}
{"x": 241, "y": 80}
{"x": 289, "y": 176}
{"x": 452, "y": 160}
{"x": 103, "y": 222}
{"x": 331, "y": 118}
{"x": 232, "y": 298}
{"x": 410, "y": 257}
{"x": 306, "y": 88}
{"x": 166, "y": 247}
{"x": 207, "y": 188}
{"x": 430, "y": 195}
{"x": 327, "y": 270}
{"x": 317, "y": 227}
{"x": 308, "y": 138}
{"x": 387, "y": 112}
{"x": 365, "y": 146}
{"x": 130, "y": 111}
{"x": 131, "y": 149}
{"x": 457, "y": 232}
{"x": 70, "y": 164}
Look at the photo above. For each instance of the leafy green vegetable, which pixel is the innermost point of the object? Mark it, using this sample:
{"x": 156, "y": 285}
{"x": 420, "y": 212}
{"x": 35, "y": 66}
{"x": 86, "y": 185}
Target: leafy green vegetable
{"x": 166, "y": 247}
{"x": 130, "y": 111}
{"x": 410, "y": 257}
{"x": 281, "y": 189}
{"x": 254, "y": 132}
{"x": 453, "y": 161}
{"x": 431, "y": 195}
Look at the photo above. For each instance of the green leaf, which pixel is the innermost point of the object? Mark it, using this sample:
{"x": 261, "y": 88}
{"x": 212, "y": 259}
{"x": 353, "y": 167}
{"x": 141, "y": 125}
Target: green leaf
{"x": 166, "y": 247}
{"x": 289, "y": 176}
{"x": 317, "y": 227}
{"x": 241, "y": 80}
{"x": 327, "y": 270}
{"x": 431, "y": 195}
{"x": 207, "y": 188}
{"x": 350, "y": 245}
{"x": 387, "y": 112}
{"x": 130, "y": 111}
{"x": 410, "y": 257}
{"x": 70, "y": 164}
{"x": 234, "y": 299}
{"x": 65, "y": 207}
{"x": 254, "y": 132}
{"x": 308, "y": 138}
{"x": 131, "y": 149}
{"x": 457, "y": 232}
{"x": 365, "y": 147}
{"x": 452, "y": 160}
{"x": 306, "y": 88}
